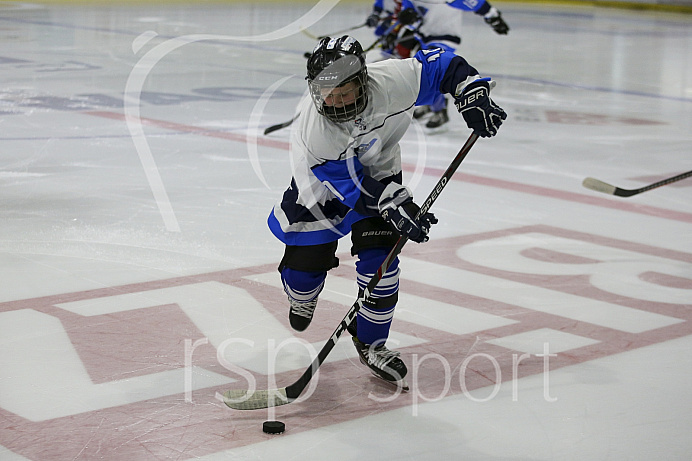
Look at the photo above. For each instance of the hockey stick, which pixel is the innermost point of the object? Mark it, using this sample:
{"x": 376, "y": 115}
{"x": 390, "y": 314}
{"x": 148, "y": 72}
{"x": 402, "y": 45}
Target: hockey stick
{"x": 338, "y": 32}
{"x": 393, "y": 28}
{"x": 343, "y": 31}
{"x": 279, "y": 126}
{"x": 307, "y": 54}
{"x": 240, "y": 399}
{"x": 374, "y": 44}
{"x": 600, "y": 186}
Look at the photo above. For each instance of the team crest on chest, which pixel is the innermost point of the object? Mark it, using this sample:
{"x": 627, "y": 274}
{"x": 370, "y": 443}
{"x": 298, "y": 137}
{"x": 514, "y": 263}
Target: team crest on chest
{"x": 360, "y": 123}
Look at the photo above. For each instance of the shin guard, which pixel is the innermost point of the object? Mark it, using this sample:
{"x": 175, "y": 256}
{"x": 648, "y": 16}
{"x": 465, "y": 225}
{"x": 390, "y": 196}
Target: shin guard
{"x": 375, "y": 317}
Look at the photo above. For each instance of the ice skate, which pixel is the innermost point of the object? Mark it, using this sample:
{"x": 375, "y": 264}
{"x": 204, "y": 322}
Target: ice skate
{"x": 421, "y": 111}
{"x": 300, "y": 314}
{"x": 437, "y": 119}
{"x": 383, "y": 363}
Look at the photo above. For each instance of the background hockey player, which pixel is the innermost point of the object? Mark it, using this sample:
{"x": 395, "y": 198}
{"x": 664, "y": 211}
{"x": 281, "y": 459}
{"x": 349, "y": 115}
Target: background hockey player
{"x": 347, "y": 177}
{"x": 409, "y": 25}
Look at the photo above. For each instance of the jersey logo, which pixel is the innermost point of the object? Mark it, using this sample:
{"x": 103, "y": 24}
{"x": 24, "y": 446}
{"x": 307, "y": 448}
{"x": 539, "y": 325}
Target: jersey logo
{"x": 360, "y": 124}
{"x": 431, "y": 55}
{"x": 363, "y": 148}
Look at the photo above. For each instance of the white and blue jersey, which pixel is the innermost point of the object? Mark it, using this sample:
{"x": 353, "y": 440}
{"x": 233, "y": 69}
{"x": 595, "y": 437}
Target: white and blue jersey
{"x": 394, "y": 6}
{"x": 341, "y": 169}
{"x": 441, "y": 26}
{"x": 467, "y": 5}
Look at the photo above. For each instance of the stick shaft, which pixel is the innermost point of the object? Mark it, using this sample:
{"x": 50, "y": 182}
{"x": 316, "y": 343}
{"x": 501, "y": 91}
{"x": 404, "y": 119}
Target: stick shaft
{"x": 343, "y": 31}
{"x": 665, "y": 182}
{"x": 295, "y": 389}
{"x": 600, "y": 186}
{"x": 259, "y": 399}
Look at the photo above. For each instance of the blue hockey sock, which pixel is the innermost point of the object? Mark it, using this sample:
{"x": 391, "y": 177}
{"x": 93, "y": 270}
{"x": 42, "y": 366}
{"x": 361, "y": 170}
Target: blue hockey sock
{"x": 375, "y": 317}
{"x": 439, "y": 104}
{"x": 302, "y": 286}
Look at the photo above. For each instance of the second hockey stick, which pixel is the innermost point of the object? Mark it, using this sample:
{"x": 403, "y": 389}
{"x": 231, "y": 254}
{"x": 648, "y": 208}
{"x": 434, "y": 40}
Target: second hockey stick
{"x": 257, "y": 399}
{"x": 600, "y": 186}
{"x": 279, "y": 126}
{"x": 370, "y": 48}
{"x": 338, "y": 32}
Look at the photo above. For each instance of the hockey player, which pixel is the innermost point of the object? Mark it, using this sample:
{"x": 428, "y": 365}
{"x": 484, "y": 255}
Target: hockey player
{"x": 428, "y": 25}
{"x": 347, "y": 178}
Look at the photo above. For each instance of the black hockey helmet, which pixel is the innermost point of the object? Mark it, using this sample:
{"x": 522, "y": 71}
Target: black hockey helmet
{"x": 334, "y": 63}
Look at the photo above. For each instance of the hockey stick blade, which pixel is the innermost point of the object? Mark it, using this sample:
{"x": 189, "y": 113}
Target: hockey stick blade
{"x": 239, "y": 399}
{"x": 279, "y": 126}
{"x": 600, "y": 186}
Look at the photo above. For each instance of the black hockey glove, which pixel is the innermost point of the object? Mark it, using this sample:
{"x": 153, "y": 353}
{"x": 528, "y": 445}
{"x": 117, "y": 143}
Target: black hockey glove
{"x": 408, "y": 16}
{"x": 373, "y": 20}
{"x": 397, "y": 208}
{"x": 494, "y": 20}
{"x": 481, "y": 114}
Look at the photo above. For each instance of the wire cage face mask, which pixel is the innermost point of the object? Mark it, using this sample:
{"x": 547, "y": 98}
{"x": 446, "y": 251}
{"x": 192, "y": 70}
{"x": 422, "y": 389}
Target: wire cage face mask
{"x": 339, "y": 89}
{"x": 342, "y": 103}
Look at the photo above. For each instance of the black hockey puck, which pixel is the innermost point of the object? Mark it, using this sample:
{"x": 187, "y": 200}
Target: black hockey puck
{"x": 273, "y": 427}
{"x": 307, "y": 55}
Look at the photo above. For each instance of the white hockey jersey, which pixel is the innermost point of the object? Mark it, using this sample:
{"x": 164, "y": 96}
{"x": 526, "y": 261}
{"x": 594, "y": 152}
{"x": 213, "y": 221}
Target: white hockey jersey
{"x": 340, "y": 169}
{"x": 442, "y": 22}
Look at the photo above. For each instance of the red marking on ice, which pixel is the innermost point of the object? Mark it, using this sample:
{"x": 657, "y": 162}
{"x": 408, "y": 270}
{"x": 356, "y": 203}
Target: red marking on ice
{"x": 583, "y": 118}
{"x": 667, "y": 280}
{"x": 544, "y": 254}
{"x": 618, "y": 204}
{"x": 169, "y": 427}
{"x": 183, "y": 128}
{"x": 131, "y": 343}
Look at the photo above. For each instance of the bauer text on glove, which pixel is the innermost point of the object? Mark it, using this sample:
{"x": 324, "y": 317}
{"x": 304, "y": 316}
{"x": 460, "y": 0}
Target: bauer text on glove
{"x": 397, "y": 208}
{"x": 481, "y": 114}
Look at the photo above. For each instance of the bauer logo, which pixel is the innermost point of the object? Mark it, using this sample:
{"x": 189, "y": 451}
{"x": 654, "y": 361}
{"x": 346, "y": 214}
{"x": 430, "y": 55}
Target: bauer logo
{"x": 475, "y": 96}
{"x": 376, "y": 233}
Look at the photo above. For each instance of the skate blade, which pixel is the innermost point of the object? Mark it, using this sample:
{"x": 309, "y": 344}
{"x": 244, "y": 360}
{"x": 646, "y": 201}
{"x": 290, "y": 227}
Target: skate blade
{"x": 402, "y": 384}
